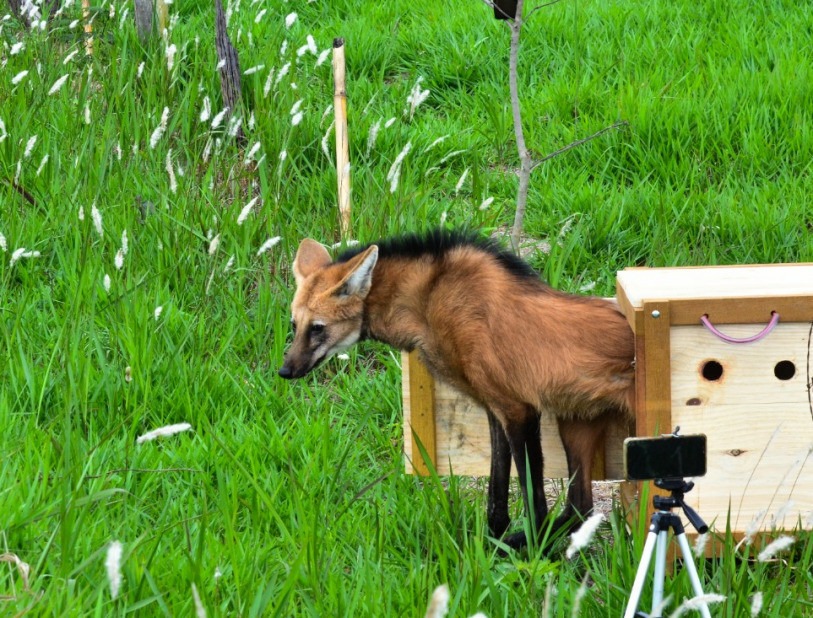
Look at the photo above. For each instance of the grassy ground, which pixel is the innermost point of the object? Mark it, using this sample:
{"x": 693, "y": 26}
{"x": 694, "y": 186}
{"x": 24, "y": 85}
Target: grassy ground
{"x": 289, "y": 498}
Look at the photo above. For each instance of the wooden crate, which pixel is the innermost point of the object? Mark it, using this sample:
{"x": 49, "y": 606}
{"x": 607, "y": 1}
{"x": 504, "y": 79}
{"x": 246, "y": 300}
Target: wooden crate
{"x": 758, "y": 412}
{"x": 453, "y": 430}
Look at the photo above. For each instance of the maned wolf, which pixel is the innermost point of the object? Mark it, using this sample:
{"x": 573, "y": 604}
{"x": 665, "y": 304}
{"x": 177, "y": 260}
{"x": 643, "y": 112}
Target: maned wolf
{"x": 482, "y": 321}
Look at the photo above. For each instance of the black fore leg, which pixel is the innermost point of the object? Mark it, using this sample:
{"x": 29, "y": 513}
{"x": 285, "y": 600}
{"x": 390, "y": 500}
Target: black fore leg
{"x": 526, "y": 449}
{"x": 497, "y": 510}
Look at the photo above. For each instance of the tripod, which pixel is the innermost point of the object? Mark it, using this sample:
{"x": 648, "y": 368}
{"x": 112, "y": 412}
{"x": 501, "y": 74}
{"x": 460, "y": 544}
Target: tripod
{"x": 662, "y": 521}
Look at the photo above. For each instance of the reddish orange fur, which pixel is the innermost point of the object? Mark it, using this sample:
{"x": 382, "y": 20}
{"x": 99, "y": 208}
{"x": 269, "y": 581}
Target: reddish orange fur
{"x": 513, "y": 344}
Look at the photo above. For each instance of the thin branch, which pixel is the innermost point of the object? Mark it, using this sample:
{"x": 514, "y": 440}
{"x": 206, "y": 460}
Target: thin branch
{"x": 497, "y": 8}
{"x": 541, "y": 6}
{"x": 141, "y": 471}
{"x": 21, "y": 190}
{"x": 579, "y": 142}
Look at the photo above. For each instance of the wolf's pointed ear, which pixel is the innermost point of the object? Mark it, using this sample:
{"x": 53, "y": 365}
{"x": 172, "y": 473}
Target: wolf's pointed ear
{"x": 359, "y": 275}
{"x": 310, "y": 257}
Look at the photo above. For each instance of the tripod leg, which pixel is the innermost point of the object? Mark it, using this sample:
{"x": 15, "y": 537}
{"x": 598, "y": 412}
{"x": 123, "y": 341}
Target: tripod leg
{"x": 640, "y": 575}
{"x": 688, "y": 562}
{"x": 659, "y": 575}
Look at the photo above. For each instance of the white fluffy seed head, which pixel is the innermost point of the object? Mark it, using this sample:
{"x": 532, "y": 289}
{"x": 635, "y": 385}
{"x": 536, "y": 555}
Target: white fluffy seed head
{"x": 214, "y": 244}
{"x": 439, "y": 603}
{"x": 161, "y": 432}
{"x": 268, "y": 244}
{"x": 159, "y": 130}
{"x": 58, "y": 84}
{"x": 246, "y": 211}
{"x": 582, "y": 537}
{"x": 112, "y": 564}
{"x": 29, "y": 146}
{"x": 780, "y": 544}
{"x": 695, "y": 603}
{"x": 219, "y": 117}
{"x": 756, "y": 604}
{"x": 97, "y": 219}
{"x": 322, "y": 57}
{"x": 206, "y": 112}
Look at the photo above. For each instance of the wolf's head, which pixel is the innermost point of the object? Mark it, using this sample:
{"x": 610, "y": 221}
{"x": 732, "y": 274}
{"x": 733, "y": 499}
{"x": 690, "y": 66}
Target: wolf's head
{"x": 328, "y": 306}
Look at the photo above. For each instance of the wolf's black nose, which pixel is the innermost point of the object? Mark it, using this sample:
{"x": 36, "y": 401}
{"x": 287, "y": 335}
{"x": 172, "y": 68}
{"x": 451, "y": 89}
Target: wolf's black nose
{"x": 285, "y": 372}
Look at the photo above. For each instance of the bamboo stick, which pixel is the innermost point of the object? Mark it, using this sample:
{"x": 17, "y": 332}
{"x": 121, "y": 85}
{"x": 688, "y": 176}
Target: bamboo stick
{"x": 342, "y": 141}
{"x": 88, "y": 27}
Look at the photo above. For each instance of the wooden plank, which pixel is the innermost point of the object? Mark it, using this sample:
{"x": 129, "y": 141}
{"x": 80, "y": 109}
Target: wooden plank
{"x": 756, "y": 311}
{"x": 655, "y": 418}
{"x": 462, "y": 441}
{"x": 747, "y": 281}
{"x": 464, "y": 446}
{"x": 419, "y": 414}
{"x": 749, "y": 371}
{"x": 759, "y": 459}
{"x": 627, "y": 308}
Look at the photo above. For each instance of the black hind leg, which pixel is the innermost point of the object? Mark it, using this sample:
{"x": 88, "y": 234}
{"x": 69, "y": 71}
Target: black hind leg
{"x": 581, "y": 439}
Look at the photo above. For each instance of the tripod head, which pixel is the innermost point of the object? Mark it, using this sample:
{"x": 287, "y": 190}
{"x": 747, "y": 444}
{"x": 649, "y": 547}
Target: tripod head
{"x": 677, "y": 487}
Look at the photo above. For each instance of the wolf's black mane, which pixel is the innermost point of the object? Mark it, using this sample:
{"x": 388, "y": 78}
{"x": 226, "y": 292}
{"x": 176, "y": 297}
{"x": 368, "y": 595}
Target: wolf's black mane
{"x": 438, "y": 242}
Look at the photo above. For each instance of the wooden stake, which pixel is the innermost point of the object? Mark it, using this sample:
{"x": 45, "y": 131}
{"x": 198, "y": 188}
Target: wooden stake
{"x": 342, "y": 142}
{"x": 162, "y": 12}
{"x": 88, "y": 27}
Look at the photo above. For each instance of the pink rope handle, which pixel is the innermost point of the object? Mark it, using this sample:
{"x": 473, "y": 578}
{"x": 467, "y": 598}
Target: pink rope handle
{"x": 774, "y": 321}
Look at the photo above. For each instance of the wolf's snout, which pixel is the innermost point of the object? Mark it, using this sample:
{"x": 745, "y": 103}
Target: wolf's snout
{"x": 285, "y": 372}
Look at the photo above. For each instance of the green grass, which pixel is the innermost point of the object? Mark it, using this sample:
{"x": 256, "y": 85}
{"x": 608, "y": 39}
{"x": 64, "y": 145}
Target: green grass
{"x": 295, "y": 492}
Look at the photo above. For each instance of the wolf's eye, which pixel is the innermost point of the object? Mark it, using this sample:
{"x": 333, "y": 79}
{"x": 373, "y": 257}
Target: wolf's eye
{"x": 317, "y": 328}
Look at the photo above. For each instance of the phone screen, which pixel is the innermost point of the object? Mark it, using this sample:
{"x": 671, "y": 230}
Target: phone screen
{"x": 667, "y": 457}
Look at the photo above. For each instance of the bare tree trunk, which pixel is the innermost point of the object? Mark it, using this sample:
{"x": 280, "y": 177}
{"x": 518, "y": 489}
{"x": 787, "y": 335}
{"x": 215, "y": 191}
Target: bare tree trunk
{"x": 143, "y": 19}
{"x": 151, "y": 16}
{"x": 230, "y": 71}
{"x": 502, "y": 10}
{"x": 14, "y": 6}
{"x": 524, "y": 156}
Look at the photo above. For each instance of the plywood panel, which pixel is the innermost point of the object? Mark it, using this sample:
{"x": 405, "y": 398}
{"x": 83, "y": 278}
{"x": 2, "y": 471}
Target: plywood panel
{"x": 760, "y": 456}
{"x": 748, "y": 370}
{"x": 759, "y": 428}
{"x": 463, "y": 445}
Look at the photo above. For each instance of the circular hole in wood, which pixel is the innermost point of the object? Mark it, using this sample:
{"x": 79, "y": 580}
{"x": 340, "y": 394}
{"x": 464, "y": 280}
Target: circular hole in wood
{"x": 784, "y": 370}
{"x": 712, "y": 370}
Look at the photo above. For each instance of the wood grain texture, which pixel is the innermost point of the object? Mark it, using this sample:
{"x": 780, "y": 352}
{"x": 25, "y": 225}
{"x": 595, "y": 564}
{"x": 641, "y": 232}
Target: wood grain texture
{"x": 230, "y": 85}
{"x": 726, "y": 282}
{"x": 759, "y": 427}
{"x": 655, "y": 416}
{"x": 419, "y": 414}
{"x": 462, "y": 437}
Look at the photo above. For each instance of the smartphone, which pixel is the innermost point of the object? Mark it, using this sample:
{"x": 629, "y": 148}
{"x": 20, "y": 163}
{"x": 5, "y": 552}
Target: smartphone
{"x": 665, "y": 457}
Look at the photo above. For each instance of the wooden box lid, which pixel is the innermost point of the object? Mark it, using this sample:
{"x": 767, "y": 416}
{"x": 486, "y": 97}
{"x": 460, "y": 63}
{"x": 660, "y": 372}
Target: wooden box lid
{"x": 720, "y": 290}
